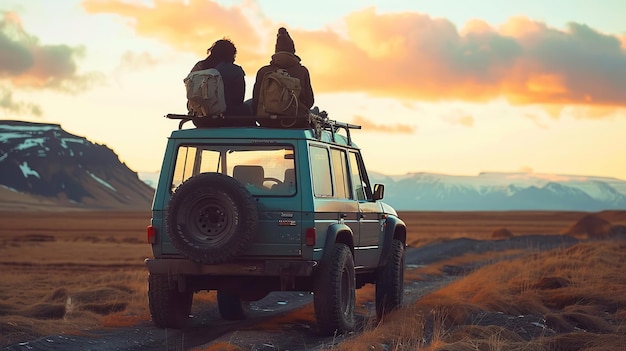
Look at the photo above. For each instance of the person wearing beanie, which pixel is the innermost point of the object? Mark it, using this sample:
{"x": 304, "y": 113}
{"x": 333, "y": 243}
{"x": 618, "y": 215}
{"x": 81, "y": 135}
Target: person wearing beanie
{"x": 221, "y": 56}
{"x": 285, "y": 57}
{"x": 284, "y": 41}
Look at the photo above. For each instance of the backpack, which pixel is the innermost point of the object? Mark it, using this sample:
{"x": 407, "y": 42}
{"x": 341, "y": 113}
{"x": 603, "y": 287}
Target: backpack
{"x": 278, "y": 94}
{"x": 205, "y": 93}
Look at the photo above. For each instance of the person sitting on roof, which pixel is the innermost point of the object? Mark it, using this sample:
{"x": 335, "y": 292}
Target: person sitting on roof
{"x": 285, "y": 57}
{"x": 221, "y": 56}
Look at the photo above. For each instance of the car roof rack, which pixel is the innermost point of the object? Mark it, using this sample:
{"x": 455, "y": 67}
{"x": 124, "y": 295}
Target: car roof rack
{"x": 318, "y": 121}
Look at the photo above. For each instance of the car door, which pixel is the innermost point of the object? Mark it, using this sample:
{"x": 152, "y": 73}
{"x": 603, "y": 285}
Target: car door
{"x": 371, "y": 223}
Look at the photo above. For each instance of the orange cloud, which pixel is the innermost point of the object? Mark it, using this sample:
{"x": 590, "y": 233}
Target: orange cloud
{"x": 383, "y": 128}
{"x": 416, "y": 57}
{"x": 191, "y": 26}
{"x": 622, "y": 39}
{"x": 407, "y": 55}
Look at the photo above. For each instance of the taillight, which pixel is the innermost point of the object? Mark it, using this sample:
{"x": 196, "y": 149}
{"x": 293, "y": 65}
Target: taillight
{"x": 309, "y": 237}
{"x": 152, "y": 232}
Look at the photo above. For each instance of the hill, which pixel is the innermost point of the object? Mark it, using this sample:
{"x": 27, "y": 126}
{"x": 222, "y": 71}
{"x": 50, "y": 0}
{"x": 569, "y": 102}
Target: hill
{"x": 44, "y": 167}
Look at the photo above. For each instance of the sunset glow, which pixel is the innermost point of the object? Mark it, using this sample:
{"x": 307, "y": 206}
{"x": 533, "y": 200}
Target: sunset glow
{"x": 536, "y": 87}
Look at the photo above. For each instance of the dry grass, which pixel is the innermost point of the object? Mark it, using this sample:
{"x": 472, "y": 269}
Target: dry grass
{"x": 64, "y": 272}
{"x": 428, "y": 227}
{"x": 578, "y": 295}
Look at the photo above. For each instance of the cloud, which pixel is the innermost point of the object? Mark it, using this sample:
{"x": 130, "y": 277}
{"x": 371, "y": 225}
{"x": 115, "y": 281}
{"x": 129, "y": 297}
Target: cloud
{"x": 419, "y": 57}
{"x": 133, "y": 61}
{"x": 458, "y": 117}
{"x": 407, "y": 55}
{"x": 383, "y": 128}
{"x": 192, "y": 25}
{"x": 8, "y": 104}
{"x": 26, "y": 63}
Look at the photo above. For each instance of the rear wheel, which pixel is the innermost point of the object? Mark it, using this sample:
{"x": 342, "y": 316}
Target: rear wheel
{"x": 334, "y": 294}
{"x": 390, "y": 281}
{"x": 231, "y": 306}
{"x": 169, "y": 307}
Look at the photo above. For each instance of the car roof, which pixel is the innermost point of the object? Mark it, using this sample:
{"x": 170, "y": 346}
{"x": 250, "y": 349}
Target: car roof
{"x": 319, "y": 128}
{"x": 259, "y": 133}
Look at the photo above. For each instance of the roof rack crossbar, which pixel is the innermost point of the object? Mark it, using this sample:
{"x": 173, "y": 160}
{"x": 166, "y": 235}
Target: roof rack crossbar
{"x": 332, "y": 126}
{"x": 317, "y": 121}
{"x": 183, "y": 118}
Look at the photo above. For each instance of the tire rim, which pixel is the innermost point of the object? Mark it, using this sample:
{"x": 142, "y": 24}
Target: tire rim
{"x": 210, "y": 221}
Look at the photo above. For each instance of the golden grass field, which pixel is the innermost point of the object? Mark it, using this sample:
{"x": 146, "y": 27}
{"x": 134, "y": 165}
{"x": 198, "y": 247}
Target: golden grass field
{"x": 66, "y": 272}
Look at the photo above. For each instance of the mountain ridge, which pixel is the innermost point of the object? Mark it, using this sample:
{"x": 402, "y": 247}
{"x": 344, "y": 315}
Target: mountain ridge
{"x": 503, "y": 191}
{"x": 46, "y": 168}
{"x": 493, "y": 191}
{"x": 54, "y": 168}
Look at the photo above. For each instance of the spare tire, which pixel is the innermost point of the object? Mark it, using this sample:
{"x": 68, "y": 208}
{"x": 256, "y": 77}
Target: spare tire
{"x": 211, "y": 218}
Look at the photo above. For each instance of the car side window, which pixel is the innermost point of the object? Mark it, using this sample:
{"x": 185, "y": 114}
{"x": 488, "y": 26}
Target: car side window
{"x": 340, "y": 174}
{"x": 320, "y": 172}
{"x": 359, "y": 185}
{"x": 183, "y": 169}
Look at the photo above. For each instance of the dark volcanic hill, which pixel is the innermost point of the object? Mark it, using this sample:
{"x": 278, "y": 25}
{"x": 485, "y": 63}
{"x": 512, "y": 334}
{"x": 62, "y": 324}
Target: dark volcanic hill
{"x": 41, "y": 164}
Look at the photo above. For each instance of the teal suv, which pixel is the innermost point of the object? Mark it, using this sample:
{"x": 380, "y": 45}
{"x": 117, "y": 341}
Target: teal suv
{"x": 247, "y": 209}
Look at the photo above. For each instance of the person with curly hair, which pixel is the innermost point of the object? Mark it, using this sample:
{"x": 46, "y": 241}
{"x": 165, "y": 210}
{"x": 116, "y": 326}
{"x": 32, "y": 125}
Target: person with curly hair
{"x": 221, "y": 56}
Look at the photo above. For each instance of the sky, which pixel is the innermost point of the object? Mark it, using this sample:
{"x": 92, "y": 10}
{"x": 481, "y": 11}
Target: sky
{"x": 448, "y": 86}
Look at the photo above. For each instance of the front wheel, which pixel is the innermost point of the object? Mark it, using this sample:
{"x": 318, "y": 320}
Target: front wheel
{"x": 334, "y": 293}
{"x": 169, "y": 307}
{"x": 390, "y": 281}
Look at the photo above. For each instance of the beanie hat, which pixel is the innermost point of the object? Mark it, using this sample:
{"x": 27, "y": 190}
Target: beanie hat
{"x": 284, "y": 41}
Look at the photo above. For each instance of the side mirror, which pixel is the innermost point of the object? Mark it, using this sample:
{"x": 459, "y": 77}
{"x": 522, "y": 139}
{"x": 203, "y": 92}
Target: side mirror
{"x": 379, "y": 191}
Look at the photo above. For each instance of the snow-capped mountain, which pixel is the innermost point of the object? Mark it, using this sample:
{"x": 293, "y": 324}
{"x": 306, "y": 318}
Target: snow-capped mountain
{"x": 494, "y": 192}
{"x": 502, "y": 191}
{"x": 41, "y": 164}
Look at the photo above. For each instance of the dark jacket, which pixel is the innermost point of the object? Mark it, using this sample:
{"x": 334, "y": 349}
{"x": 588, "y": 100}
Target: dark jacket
{"x": 234, "y": 85}
{"x": 291, "y": 63}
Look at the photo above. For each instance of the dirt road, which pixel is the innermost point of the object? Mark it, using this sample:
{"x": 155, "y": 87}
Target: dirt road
{"x": 282, "y": 320}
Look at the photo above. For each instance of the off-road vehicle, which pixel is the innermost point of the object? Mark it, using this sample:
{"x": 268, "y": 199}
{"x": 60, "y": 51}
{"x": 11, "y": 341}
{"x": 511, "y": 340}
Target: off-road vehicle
{"x": 247, "y": 208}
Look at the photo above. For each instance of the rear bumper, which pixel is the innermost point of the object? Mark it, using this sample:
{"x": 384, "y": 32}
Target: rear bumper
{"x": 242, "y": 268}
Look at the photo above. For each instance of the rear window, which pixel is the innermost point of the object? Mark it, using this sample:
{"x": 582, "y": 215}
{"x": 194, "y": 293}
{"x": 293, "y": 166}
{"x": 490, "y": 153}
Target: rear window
{"x": 263, "y": 169}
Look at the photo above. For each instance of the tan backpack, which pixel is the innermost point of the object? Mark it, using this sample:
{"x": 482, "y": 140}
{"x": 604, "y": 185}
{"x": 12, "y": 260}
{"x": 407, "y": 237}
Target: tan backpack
{"x": 278, "y": 94}
{"x": 205, "y": 93}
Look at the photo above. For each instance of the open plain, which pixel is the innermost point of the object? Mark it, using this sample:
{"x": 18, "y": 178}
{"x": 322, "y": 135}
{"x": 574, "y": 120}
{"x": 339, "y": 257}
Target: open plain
{"x": 75, "y": 280}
